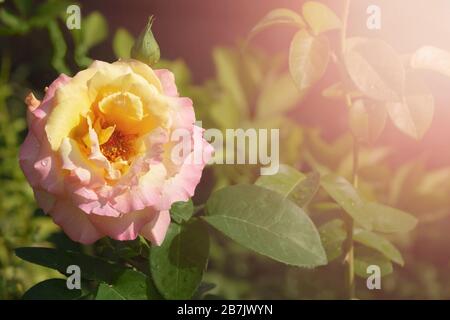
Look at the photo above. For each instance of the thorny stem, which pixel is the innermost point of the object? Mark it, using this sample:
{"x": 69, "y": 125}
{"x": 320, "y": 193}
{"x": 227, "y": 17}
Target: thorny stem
{"x": 348, "y": 246}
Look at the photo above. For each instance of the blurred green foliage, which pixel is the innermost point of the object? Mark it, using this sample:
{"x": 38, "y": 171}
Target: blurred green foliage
{"x": 411, "y": 186}
{"x": 250, "y": 89}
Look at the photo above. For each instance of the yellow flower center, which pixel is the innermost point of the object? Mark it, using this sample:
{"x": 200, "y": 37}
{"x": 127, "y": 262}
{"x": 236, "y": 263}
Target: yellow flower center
{"x": 122, "y": 102}
{"x": 119, "y": 146}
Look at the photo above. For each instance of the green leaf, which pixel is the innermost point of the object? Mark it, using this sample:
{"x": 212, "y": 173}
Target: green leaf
{"x": 227, "y": 72}
{"x": 282, "y": 182}
{"x": 130, "y": 285}
{"x": 122, "y": 43}
{"x": 367, "y": 120}
{"x": 389, "y": 220}
{"x": 52, "y": 289}
{"x": 375, "y": 69}
{"x": 266, "y": 222}
{"x": 255, "y": 67}
{"x": 278, "y": 97}
{"x": 369, "y": 215}
{"x": 280, "y": 16}
{"x": 323, "y": 155}
{"x": 380, "y": 244}
{"x": 346, "y": 196}
{"x": 292, "y": 184}
{"x": 308, "y": 59}
{"x": 401, "y": 182}
{"x": 94, "y": 29}
{"x": 413, "y": 116}
{"x": 225, "y": 113}
{"x": 146, "y": 49}
{"x": 177, "y": 266}
{"x": 433, "y": 59}
{"x": 338, "y": 91}
{"x": 59, "y": 48}
{"x": 182, "y": 211}
{"x": 48, "y": 11}
{"x": 319, "y": 17}
{"x": 306, "y": 190}
{"x": 108, "y": 292}
{"x": 333, "y": 236}
{"x": 14, "y": 24}
{"x": 91, "y": 268}
{"x": 366, "y": 257}
{"x": 293, "y": 136}
{"x": 23, "y": 6}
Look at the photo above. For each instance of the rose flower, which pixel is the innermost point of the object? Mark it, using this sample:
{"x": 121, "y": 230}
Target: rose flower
{"x": 98, "y": 153}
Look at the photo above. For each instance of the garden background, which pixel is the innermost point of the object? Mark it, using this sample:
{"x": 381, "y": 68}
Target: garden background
{"x": 201, "y": 42}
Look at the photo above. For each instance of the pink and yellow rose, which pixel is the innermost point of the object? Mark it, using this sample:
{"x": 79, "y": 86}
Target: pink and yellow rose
{"x": 98, "y": 151}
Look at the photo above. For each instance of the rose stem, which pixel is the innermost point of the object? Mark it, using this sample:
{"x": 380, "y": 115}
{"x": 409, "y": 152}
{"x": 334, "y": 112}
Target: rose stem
{"x": 349, "y": 224}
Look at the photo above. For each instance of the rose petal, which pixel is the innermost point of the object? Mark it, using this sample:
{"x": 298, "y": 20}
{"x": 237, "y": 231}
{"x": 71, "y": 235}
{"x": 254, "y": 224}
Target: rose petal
{"x": 168, "y": 82}
{"x": 182, "y": 185}
{"x": 155, "y": 230}
{"x": 126, "y": 227}
{"x": 74, "y": 222}
{"x": 45, "y": 200}
{"x": 28, "y": 154}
